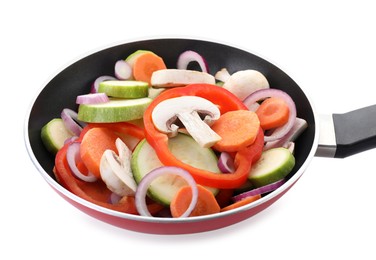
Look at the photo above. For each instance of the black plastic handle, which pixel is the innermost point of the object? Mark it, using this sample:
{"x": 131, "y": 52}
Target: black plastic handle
{"x": 355, "y": 131}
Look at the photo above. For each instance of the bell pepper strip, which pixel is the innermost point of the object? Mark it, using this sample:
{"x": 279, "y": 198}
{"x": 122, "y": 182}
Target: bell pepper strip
{"x": 225, "y": 101}
{"x": 95, "y": 192}
{"x": 252, "y": 152}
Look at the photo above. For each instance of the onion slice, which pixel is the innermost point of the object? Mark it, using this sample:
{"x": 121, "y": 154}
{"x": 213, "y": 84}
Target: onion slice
{"x": 73, "y": 155}
{"x": 258, "y": 191}
{"x": 189, "y": 56}
{"x": 123, "y": 70}
{"x": 160, "y": 171}
{"x": 69, "y": 118}
{"x": 299, "y": 126}
{"x": 254, "y": 107}
{"x": 226, "y": 163}
{"x": 114, "y": 198}
{"x": 267, "y": 93}
{"x": 95, "y": 85}
{"x": 290, "y": 146}
{"x": 70, "y": 139}
{"x": 93, "y": 98}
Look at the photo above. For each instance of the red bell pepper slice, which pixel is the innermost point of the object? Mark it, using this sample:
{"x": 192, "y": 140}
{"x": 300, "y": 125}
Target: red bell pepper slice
{"x": 97, "y": 192}
{"x": 225, "y": 101}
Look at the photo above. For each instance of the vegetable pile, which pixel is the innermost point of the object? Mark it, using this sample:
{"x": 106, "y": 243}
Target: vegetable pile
{"x": 174, "y": 142}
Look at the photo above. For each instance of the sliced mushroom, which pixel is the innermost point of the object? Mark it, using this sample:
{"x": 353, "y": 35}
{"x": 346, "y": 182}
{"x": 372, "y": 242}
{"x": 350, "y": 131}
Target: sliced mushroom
{"x": 179, "y": 77}
{"x": 116, "y": 170}
{"x": 244, "y": 82}
{"x": 195, "y": 113}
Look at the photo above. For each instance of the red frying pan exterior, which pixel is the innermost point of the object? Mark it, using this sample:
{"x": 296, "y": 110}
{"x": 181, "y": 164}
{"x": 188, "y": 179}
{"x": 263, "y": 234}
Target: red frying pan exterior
{"x": 164, "y": 226}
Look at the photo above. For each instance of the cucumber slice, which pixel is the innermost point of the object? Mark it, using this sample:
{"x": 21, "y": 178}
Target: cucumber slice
{"x": 53, "y": 135}
{"x": 154, "y": 92}
{"x": 185, "y": 148}
{"x": 273, "y": 165}
{"x": 116, "y": 110}
{"x": 124, "y": 88}
{"x": 133, "y": 56}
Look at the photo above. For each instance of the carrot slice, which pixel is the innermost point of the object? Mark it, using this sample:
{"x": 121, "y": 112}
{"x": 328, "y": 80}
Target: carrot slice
{"x": 238, "y": 130}
{"x": 95, "y": 192}
{"x": 129, "y": 133}
{"x": 145, "y": 65}
{"x": 122, "y": 128}
{"x": 93, "y": 144}
{"x": 206, "y": 203}
{"x": 272, "y": 113}
{"x": 242, "y": 202}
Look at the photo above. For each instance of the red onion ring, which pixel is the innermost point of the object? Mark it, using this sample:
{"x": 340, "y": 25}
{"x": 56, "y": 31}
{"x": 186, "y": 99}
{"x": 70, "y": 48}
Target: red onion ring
{"x": 70, "y": 139}
{"x": 226, "y": 163}
{"x": 69, "y": 116}
{"x": 254, "y": 107}
{"x": 93, "y": 98}
{"x": 188, "y": 56}
{"x": 95, "y": 85}
{"x": 258, "y": 191}
{"x": 73, "y": 155}
{"x": 299, "y": 126}
{"x": 114, "y": 198}
{"x": 151, "y": 176}
{"x": 267, "y": 93}
{"x": 123, "y": 70}
{"x": 290, "y": 146}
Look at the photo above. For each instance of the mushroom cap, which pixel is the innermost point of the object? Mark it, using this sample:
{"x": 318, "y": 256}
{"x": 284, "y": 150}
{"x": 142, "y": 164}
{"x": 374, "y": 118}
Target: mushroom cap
{"x": 165, "y": 114}
{"x": 244, "y": 82}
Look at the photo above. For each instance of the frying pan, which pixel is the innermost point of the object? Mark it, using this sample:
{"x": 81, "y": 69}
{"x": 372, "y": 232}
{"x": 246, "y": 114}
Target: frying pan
{"x": 336, "y": 135}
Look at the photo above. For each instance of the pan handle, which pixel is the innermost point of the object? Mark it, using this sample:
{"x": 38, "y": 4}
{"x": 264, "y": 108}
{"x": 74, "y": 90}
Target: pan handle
{"x": 342, "y": 135}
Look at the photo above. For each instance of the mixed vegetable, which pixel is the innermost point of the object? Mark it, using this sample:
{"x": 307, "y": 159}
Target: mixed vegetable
{"x": 174, "y": 142}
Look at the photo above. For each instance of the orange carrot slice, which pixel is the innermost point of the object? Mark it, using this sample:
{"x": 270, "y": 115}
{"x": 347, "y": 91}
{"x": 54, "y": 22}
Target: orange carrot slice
{"x": 272, "y": 113}
{"x": 93, "y": 144}
{"x": 242, "y": 202}
{"x": 145, "y": 64}
{"x": 238, "y": 130}
{"x": 206, "y": 203}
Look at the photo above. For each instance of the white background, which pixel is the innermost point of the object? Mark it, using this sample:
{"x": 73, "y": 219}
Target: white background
{"x": 327, "y": 47}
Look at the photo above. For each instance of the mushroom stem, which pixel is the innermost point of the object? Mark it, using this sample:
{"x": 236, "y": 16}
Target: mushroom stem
{"x": 188, "y": 110}
{"x": 198, "y": 129}
{"x": 116, "y": 170}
